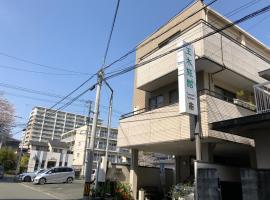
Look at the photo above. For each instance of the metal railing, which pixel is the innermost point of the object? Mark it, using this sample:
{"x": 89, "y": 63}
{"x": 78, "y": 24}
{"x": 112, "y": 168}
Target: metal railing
{"x": 234, "y": 101}
{"x": 262, "y": 97}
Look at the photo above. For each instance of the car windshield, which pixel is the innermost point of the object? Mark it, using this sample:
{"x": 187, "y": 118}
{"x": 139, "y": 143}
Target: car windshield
{"x": 40, "y": 171}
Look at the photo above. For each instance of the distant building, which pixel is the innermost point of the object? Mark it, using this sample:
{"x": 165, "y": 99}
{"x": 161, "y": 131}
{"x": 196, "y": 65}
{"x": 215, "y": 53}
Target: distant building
{"x": 47, "y": 124}
{"x": 10, "y": 143}
{"x": 48, "y": 154}
{"x": 76, "y": 141}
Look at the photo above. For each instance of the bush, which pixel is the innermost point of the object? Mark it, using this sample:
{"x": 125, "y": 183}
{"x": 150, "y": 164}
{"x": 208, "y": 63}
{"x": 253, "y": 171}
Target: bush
{"x": 7, "y": 158}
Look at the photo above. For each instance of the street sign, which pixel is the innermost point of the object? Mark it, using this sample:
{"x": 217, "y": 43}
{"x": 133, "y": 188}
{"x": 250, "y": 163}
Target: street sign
{"x": 187, "y": 79}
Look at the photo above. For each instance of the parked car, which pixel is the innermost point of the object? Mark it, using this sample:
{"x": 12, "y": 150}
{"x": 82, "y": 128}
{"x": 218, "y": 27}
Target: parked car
{"x": 29, "y": 176}
{"x": 2, "y": 171}
{"x": 55, "y": 175}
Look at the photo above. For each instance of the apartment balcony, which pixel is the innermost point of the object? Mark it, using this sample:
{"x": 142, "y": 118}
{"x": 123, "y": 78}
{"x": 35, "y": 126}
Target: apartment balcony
{"x": 165, "y": 126}
{"x": 148, "y": 126}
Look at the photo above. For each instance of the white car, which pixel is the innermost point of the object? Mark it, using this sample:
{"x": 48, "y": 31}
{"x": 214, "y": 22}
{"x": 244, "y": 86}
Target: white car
{"x": 29, "y": 176}
{"x": 55, "y": 175}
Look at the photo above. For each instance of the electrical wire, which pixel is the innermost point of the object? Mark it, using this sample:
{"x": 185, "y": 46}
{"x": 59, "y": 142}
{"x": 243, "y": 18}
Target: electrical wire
{"x": 154, "y": 38}
{"x": 121, "y": 58}
{"x": 37, "y": 72}
{"x": 111, "y": 32}
{"x": 245, "y": 18}
{"x": 39, "y": 64}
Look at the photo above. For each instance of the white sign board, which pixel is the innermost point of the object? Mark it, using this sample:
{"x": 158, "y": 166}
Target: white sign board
{"x": 187, "y": 80}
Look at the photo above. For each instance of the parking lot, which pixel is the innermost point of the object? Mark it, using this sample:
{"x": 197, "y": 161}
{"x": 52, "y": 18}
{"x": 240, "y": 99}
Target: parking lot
{"x": 13, "y": 190}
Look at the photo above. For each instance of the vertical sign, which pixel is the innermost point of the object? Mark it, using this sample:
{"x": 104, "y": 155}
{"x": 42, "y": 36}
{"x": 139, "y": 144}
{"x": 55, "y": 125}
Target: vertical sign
{"x": 187, "y": 79}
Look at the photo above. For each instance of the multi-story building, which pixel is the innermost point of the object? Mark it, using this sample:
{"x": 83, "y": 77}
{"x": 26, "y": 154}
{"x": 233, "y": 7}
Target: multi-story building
{"x": 76, "y": 140}
{"x": 227, "y": 65}
{"x": 48, "y": 124}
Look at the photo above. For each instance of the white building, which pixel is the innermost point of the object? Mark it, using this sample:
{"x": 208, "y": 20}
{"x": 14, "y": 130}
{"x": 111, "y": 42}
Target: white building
{"x": 76, "y": 141}
{"x": 48, "y": 124}
{"x": 49, "y": 154}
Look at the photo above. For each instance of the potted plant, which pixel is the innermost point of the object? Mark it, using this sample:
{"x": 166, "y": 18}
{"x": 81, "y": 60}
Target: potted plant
{"x": 182, "y": 191}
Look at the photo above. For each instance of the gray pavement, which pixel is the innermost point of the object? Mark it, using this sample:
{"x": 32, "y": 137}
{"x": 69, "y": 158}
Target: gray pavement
{"x": 12, "y": 190}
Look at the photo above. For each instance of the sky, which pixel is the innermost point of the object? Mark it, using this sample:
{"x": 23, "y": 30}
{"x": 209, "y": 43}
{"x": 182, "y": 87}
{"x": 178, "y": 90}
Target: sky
{"x": 64, "y": 36}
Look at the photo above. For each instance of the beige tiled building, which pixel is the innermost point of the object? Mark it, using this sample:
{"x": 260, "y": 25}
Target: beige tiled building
{"x": 227, "y": 66}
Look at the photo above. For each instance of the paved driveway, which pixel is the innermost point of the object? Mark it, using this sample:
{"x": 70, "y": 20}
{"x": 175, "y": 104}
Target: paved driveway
{"x": 12, "y": 190}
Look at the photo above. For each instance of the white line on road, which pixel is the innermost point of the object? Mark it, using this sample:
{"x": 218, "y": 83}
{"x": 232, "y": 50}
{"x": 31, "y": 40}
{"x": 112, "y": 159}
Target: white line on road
{"x": 53, "y": 196}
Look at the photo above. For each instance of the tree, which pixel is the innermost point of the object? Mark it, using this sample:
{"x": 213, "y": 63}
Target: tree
{"x": 147, "y": 159}
{"x": 6, "y": 118}
{"x": 24, "y": 162}
{"x": 7, "y": 158}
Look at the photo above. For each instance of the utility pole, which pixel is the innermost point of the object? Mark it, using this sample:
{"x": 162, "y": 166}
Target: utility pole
{"x": 109, "y": 120}
{"x": 86, "y": 136}
{"x": 90, "y": 151}
{"x": 20, "y": 154}
{"x": 90, "y": 155}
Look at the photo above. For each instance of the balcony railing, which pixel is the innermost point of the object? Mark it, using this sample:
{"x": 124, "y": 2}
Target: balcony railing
{"x": 234, "y": 101}
{"x": 262, "y": 97}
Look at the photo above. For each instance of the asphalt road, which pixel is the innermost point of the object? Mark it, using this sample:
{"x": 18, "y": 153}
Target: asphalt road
{"x": 12, "y": 190}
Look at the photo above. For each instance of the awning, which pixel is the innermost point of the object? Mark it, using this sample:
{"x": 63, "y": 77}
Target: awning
{"x": 246, "y": 126}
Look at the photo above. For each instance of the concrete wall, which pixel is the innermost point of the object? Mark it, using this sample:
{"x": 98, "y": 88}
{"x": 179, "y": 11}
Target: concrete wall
{"x": 230, "y": 54}
{"x": 214, "y": 109}
{"x": 147, "y": 176}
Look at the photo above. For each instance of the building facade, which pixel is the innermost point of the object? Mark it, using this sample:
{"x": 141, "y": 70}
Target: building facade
{"x": 227, "y": 65}
{"x": 48, "y": 154}
{"x": 48, "y": 124}
{"x": 76, "y": 140}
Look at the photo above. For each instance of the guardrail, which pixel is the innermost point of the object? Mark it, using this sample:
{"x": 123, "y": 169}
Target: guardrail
{"x": 262, "y": 97}
{"x": 235, "y": 101}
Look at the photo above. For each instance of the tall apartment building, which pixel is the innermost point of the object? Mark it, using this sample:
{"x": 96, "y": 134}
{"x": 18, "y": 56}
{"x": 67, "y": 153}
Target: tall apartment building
{"x": 226, "y": 66}
{"x": 76, "y": 139}
{"x": 48, "y": 124}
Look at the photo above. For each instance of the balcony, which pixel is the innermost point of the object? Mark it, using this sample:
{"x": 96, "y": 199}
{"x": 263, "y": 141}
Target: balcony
{"x": 148, "y": 126}
{"x": 165, "y": 124}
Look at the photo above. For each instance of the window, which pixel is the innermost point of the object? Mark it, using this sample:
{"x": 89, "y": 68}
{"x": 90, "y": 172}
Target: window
{"x": 60, "y": 164}
{"x": 156, "y": 102}
{"x": 173, "y": 96}
{"x": 43, "y": 163}
{"x": 36, "y": 164}
{"x": 224, "y": 94}
{"x": 65, "y": 163}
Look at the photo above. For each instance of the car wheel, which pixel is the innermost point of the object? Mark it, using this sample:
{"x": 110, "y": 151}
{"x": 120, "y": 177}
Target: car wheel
{"x": 42, "y": 181}
{"x": 27, "y": 179}
{"x": 69, "y": 180}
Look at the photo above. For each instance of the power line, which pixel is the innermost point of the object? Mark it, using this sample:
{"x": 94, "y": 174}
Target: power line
{"x": 15, "y": 87}
{"x": 111, "y": 32}
{"x": 39, "y": 64}
{"x": 122, "y": 57}
{"x": 37, "y": 72}
{"x": 230, "y": 13}
{"x": 245, "y": 18}
{"x": 73, "y": 91}
{"x": 156, "y": 37}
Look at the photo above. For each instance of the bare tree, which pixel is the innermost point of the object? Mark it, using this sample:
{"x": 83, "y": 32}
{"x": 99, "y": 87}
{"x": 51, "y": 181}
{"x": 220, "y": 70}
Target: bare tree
{"x": 6, "y": 118}
{"x": 147, "y": 159}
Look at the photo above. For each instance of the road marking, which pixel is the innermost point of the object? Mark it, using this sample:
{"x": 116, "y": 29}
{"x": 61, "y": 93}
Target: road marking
{"x": 36, "y": 190}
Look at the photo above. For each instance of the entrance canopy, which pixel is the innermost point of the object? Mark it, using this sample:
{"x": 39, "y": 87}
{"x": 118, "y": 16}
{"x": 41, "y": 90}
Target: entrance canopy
{"x": 247, "y": 126}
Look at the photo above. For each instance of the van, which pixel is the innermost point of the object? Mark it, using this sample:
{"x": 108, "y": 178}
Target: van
{"x": 55, "y": 175}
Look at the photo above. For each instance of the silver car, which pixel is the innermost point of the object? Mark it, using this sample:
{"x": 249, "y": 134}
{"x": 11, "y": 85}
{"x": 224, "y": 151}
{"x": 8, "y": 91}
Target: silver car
{"x": 29, "y": 176}
{"x": 55, "y": 175}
